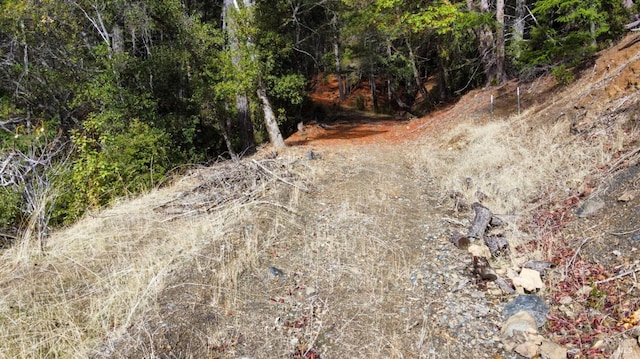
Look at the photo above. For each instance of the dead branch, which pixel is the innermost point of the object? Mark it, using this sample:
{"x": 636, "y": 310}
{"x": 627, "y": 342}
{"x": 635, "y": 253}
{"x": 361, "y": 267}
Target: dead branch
{"x": 497, "y": 245}
{"x": 460, "y": 240}
{"x": 623, "y": 274}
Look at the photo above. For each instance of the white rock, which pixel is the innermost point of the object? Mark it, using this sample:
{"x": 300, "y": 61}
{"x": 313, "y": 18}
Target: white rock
{"x": 628, "y": 349}
{"x": 527, "y": 349}
{"x": 479, "y": 250}
{"x": 566, "y": 300}
{"x": 627, "y": 196}
{"x": 521, "y": 321}
{"x": 551, "y": 350}
{"x": 310, "y": 291}
{"x": 528, "y": 279}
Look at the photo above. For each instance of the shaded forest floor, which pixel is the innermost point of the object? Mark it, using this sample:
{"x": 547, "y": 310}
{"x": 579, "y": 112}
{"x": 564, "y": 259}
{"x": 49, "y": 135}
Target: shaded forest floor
{"x": 339, "y": 246}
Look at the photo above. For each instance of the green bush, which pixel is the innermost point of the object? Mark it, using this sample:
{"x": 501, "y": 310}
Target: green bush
{"x": 563, "y": 75}
{"x": 9, "y": 209}
{"x": 112, "y": 163}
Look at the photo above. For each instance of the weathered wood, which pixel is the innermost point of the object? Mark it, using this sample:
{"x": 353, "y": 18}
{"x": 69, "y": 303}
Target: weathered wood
{"x": 481, "y": 221}
{"x": 496, "y": 222}
{"x": 460, "y": 240}
{"x": 482, "y": 268}
{"x": 632, "y": 25}
{"x": 505, "y": 286}
{"x": 497, "y": 244}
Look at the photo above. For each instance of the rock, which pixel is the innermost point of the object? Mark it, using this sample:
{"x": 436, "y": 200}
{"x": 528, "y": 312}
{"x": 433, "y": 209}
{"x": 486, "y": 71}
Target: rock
{"x": 529, "y": 280}
{"x": 527, "y": 349}
{"x": 540, "y": 266}
{"x": 628, "y": 349}
{"x": 566, "y": 300}
{"x": 627, "y": 196}
{"x": 522, "y": 322}
{"x": 590, "y": 207}
{"x": 532, "y": 304}
{"x": 310, "y": 291}
{"x": 478, "y": 250}
{"x": 275, "y": 272}
{"x": 312, "y": 156}
{"x": 551, "y": 350}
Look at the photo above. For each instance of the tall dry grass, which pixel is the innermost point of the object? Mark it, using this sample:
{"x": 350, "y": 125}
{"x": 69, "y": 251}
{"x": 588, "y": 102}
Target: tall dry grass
{"x": 99, "y": 276}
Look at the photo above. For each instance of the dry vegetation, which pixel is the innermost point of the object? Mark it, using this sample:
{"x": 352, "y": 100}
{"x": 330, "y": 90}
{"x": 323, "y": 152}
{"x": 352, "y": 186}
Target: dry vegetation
{"x": 97, "y": 277}
{"x": 285, "y": 256}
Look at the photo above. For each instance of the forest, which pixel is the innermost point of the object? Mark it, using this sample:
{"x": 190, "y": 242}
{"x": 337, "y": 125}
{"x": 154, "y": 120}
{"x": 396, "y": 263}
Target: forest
{"x": 101, "y": 99}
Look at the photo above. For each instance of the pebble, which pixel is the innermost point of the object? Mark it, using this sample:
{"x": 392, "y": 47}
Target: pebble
{"x": 276, "y": 272}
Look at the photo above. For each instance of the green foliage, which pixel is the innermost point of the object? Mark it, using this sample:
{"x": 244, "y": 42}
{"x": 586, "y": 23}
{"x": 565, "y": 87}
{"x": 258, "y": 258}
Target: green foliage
{"x": 10, "y": 203}
{"x": 563, "y": 75}
{"x": 114, "y": 162}
{"x": 569, "y": 31}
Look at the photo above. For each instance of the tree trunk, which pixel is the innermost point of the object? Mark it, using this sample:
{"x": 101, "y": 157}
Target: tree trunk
{"x": 270, "y": 119}
{"x": 336, "y": 54}
{"x": 628, "y": 4}
{"x": 372, "y": 84}
{"x": 518, "y": 27}
{"x": 486, "y": 46}
{"x": 501, "y": 75}
{"x": 416, "y": 72}
{"x": 245, "y": 124}
{"x": 442, "y": 75}
{"x": 389, "y": 84}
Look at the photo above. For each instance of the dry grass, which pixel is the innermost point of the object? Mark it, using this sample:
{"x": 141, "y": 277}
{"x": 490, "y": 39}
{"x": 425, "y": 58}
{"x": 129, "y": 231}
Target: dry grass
{"x": 98, "y": 276}
{"x": 539, "y": 159}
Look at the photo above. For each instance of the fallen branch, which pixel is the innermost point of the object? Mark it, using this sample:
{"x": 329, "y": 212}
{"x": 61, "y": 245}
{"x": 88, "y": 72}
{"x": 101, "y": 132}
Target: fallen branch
{"x": 279, "y": 178}
{"x": 480, "y": 222}
{"x": 623, "y": 274}
{"x": 623, "y": 233}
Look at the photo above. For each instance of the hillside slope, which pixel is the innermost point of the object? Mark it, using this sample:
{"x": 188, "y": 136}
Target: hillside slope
{"x": 339, "y": 246}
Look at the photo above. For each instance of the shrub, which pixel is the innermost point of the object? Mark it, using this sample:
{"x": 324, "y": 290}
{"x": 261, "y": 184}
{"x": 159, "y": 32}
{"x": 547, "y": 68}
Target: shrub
{"x": 563, "y": 75}
{"x": 115, "y": 162}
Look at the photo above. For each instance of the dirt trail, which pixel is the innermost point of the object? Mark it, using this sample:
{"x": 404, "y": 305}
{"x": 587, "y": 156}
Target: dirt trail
{"x": 364, "y": 270}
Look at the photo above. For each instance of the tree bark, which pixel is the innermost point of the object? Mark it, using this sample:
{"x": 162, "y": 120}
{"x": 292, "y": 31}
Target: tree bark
{"x": 518, "y": 27}
{"x": 245, "y": 123}
{"x": 416, "y": 72}
{"x": 486, "y": 44}
{"x": 501, "y": 75}
{"x": 372, "y": 85}
{"x": 336, "y": 55}
{"x": 389, "y": 84}
{"x": 270, "y": 119}
{"x": 480, "y": 222}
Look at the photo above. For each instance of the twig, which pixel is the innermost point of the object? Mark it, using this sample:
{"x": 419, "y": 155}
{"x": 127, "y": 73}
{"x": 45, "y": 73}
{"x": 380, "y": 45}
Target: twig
{"x": 278, "y": 177}
{"x": 575, "y": 255}
{"x": 622, "y": 159}
{"x": 623, "y": 233}
{"x": 618, "y": 276}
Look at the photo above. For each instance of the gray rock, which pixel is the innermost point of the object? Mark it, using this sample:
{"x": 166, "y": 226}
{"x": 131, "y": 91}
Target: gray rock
{"x": 590, "y": 207}
{"x": 530, "y": 303}
{"x": 540, "y": 266}
{"x": 275, "y": 272}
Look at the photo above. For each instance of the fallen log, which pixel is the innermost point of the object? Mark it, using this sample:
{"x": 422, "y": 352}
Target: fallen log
{"x": 497, "y": 244}
{"x": 460, "y": 240}
{"x": 482, "y": 268}
{"x": 480, "y": 222}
